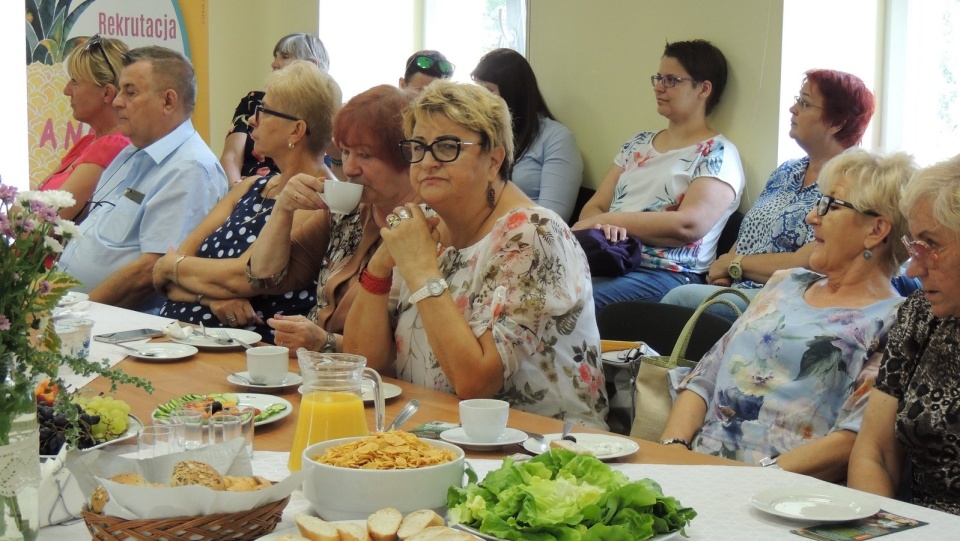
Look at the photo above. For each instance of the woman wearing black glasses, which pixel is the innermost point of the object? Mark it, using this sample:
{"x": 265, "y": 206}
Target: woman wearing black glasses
{"x": 911, "y": 431}
{"x": 788, "y": 384}
{"x": 423, "y": 67}
{"x": 292, "y": 125}
{"x": 672, "y": 190}
{"x": 492, "y": 298}
{"x": 94, "y": 80}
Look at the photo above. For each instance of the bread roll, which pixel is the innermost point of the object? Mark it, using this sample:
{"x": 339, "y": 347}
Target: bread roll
{"x": 383, "y": 524}
{"x": 244, "y": 484}
{"x": 292, "y": 537}
{"x": 130, "y": 479}
{"x": 441, "y": 533}
{"x": 192, "y": 472}
{"x": 316, "y": 529}
{"x": 351, "y": 531}
{"x": 418, "y": 520}
{"x": 99, "y": 499}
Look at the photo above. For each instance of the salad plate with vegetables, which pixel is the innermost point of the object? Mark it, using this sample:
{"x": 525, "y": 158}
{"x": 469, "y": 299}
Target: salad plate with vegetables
{"x": 567, "y": 496}
{"x": 268, "y": 408}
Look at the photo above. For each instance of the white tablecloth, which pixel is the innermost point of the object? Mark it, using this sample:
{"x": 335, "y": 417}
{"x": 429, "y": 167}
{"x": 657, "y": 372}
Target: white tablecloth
{"x": 719, "y": 494}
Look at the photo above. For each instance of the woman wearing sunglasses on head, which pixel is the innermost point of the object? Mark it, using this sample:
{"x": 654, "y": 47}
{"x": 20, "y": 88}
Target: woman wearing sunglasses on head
{"x": 292, "y": 124}
{"x": 491, "y": 298}
{"x": 674, "y": 189}
{"x": 239, "y": 157}
{"x": 547, "y": 166}
{"x": 911, "y": 432}
{"x": 787, "y": 385}
{"x": 423, "y": 67}
{"x": 829, "y": 116}
{"x": 94, "y": 80}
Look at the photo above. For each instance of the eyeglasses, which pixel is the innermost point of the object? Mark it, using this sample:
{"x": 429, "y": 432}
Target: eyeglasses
{"x": 446, "y": 149}
{"x": 804, "y": 104}
{"x": 921, "y": 252}
{"x": 824, "y": 203}
{"x": 668, "y": 81}
{"x": 96, "y": 43}
{"x": 426, "y": 62}
{"x": 261, "y": 109}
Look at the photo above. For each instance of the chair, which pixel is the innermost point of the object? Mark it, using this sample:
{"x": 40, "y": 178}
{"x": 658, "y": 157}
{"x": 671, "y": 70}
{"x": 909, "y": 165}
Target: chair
{"x": 730, "y": 232}
{"x": 583, "y": 195}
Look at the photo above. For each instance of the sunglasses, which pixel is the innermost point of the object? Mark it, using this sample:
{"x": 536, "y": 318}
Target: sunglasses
{"x": 261, "y": 109}
{"x": 95, "y": 43}
{"x": 443, "y": 150}
{"x": 824, "y": 202}
{"x": 425, "y": 63}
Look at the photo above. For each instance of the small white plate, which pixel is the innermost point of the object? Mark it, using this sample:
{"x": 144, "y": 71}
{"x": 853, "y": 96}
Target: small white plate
{"x": 259, "y": 401}
{"x": 72, "y": 297}
{"x": 292, "y": 379}
{"x": 209, "y": 342}
{"x": 603, "y": 446}
{"x": 133, "y": 426}
{"x": 816, "y": 504}
{"x": 477, "y": 533}
{"x": 163, "y": 351}
{"x": 389, "y": 391}
{"x": 458, "y": 437}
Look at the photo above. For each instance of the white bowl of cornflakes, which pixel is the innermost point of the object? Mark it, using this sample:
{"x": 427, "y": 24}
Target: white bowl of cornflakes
{"x": 350, "y": 478}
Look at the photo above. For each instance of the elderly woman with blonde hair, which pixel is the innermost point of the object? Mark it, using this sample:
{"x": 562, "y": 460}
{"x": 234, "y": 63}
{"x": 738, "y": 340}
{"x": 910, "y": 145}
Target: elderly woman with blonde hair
{"x": 911, "y": 432}
{"x": 492, "y": 298}
{"x": 787, "y": 385}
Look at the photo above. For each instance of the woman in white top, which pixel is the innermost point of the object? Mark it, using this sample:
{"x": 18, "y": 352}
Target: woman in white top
{"x": 674, "y": 189}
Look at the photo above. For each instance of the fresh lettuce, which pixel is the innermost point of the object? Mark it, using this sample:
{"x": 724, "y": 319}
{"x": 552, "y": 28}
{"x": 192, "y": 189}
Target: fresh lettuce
{"x": 562, "y": 496}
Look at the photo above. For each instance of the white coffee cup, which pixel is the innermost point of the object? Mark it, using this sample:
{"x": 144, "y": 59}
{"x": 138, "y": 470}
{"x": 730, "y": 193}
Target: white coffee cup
{"x": 484, "y": 420}
{"x": 341, "y": 197}
{"x": 267, "y": 364}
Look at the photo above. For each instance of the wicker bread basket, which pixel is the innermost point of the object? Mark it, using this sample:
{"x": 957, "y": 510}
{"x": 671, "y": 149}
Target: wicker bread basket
{"x": 241, "y": 526}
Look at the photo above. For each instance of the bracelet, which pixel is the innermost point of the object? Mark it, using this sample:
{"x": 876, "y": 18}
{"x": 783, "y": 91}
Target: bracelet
{"x": 375, "y": 284}
{"x": 264, "y": 283}
{"x": 681, "y": 441}
{"x": 176, "y": 270}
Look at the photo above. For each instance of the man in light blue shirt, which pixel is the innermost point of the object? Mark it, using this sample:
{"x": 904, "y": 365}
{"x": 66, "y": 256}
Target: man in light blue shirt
{"x": 155, "y": 192}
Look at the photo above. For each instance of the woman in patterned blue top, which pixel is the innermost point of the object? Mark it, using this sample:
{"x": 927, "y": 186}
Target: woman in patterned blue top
{"x": 788, "y": 384}
{"x": 829, "y": 116}
{"x": 293, "y": 124}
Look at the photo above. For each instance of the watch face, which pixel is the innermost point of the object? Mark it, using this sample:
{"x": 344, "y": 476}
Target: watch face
{"x": 435, "y": 287}
{"x": 735, "y": 271}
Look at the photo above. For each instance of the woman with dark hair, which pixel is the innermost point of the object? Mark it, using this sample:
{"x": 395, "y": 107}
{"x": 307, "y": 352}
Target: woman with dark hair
{"x": 548, "y": 167}
{"x": 829, "y": 116}
{"x": 239, "y": 159}
{"x": 674, "y": 189}
{"x": 423, "y": 67}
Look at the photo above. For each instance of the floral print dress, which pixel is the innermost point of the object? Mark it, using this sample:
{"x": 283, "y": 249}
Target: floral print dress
{"x": 528, "y": 283}
{"x": 787, "y": 373}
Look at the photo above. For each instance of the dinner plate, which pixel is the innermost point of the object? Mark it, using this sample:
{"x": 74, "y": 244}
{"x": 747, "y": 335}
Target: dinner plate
{"x": 72, "y": 297}
{"x": 389, "y": 391}
{"x": 209, "y": 342}
{"x": 162, "y": 351}
{"x": 133, "y": 426}
{"x": 292, "y": 379}
{"x": 816, "y": 504}
{"x": 603, "y": 446}
{"x": 458, "y": 437}
{"x": 477, "y": 533}
{"x": 259, "y": 401}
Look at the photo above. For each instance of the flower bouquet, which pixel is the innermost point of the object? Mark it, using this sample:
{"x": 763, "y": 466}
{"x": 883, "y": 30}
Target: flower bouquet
{"x": 33, "y": 235}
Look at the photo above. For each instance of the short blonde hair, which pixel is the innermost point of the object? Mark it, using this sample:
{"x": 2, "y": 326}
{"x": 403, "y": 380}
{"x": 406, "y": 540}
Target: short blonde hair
{"x": 471, "y": 106}
{"x": 303, "y": 90}
{"x": 874, "y": 184}
{"x": 99, "y": 64}
{"x": 939, "y": 183}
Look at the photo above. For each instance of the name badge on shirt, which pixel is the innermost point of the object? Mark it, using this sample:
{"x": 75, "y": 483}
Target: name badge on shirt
{"x": 133, "y": 195}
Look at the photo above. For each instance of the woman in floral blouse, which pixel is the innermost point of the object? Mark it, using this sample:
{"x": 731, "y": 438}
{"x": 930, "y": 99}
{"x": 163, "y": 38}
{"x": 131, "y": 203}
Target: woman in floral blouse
{"x": 911, "y": 431}
{"x": 493, "y": 297}
{"x": 787, "y": 385}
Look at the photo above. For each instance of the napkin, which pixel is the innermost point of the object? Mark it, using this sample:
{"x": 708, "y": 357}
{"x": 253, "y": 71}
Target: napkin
{"x": 60, "y": 497}
{"x": 174, "y": 330}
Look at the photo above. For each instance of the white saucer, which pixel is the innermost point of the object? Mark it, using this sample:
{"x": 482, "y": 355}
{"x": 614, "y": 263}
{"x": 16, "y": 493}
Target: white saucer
{"x": 458, "y": 437}
{"x": 162, "y": 351}
{"x": 603, "y": 446}
{"x": 822, "y": 504}
{"x": 292, "y": 379}
{"x": 72, "y": 297}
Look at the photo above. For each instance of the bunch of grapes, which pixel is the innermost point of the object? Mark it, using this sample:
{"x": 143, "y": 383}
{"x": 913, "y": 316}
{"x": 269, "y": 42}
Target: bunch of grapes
{"x": 53, "y": 429}
{"x": 112, "y": 413}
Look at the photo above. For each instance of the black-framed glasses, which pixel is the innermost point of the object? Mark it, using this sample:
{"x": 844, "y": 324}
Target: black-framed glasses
{"x": 445, "y": 149}
{"x": 669, "y": 81}
{"x": 96, "y": 43}
{"x": 824, "y": 203}
{"x": 803, "y": 104}
{"x": 261, "y": 109}
{"x": 921, "y": 252}
{"x": 425, "y": 62}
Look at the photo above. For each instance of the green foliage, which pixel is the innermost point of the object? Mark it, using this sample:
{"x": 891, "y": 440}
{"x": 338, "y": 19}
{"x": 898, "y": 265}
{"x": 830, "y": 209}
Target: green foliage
{"x": 49, "y": 23}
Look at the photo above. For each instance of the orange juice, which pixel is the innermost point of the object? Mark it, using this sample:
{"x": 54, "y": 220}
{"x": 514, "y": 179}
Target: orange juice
{"x": 325, "y": 416}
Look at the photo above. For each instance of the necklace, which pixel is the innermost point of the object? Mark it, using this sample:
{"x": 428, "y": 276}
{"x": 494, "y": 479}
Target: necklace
{"x": 264, "y": 193}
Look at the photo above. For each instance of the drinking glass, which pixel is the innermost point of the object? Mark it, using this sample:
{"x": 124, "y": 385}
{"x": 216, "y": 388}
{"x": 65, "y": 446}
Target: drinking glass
{"x": 224, "y": 427}
{"x": 156, "y": 440}
{"x": 189, "y": 427}
{"x": 247, "y": 416}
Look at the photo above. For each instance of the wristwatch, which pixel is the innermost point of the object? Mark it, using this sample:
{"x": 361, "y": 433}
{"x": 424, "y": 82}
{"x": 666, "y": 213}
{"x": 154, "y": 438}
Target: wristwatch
{"x": 770, "y": 462}
{"x": 433, "y": 288}
{"x": 331, "y": 344}
{"x": 735, "y": 270}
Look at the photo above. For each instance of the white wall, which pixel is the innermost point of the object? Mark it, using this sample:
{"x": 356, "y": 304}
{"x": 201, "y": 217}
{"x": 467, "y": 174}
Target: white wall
{"x": 14, "y": 162}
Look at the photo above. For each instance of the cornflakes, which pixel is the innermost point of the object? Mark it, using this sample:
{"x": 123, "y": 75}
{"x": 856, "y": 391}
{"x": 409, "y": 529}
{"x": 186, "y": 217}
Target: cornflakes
{"x": 394, "y": 450}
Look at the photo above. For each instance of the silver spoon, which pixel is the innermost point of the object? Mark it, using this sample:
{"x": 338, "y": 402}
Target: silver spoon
{"x": 137, "y": 351}
{"x": 243, "y": 378}
{"x": 408, "y": 410}
{"x": 567, "y": 427}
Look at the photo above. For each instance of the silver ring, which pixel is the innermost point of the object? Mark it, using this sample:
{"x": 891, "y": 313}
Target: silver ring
{"x": 404, "y": 214}
{"x": 393, "y": 220}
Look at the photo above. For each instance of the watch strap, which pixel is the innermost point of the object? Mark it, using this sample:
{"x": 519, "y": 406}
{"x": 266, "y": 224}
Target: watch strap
{"x": 434, "y": 284}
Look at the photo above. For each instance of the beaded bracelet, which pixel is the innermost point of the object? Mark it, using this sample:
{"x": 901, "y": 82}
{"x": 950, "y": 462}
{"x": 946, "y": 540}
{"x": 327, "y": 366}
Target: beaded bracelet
{"x": 375, "y": 284}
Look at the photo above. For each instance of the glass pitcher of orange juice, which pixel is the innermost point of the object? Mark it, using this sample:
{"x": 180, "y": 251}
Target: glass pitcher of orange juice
{"x": 332, "y": 403}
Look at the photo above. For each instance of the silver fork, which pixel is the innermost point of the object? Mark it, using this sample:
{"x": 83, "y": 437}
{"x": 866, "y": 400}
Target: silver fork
{"x": 224, "y": 338}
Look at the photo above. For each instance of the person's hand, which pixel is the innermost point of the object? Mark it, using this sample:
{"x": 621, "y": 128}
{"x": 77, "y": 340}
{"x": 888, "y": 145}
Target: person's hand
{"x": 234, "y": 312}
{"x": 302, "y": 192}
{"x": 162, "y": 268}
{"x": 412, "y": 240}
{"x": 295, "y": 332}
{"x": 613, "y": 233}
{"x": 719, "y": 269}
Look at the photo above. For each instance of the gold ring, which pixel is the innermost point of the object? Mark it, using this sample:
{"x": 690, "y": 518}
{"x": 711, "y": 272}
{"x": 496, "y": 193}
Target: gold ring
{"x": 393, "y": 220}
{"x": 404, "y": 214}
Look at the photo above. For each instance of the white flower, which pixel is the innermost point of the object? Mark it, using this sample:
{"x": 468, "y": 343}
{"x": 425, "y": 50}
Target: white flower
{"x": 57, "y": 199}
{"x": 67, "y": 229}
{"x": 52, "y": 244}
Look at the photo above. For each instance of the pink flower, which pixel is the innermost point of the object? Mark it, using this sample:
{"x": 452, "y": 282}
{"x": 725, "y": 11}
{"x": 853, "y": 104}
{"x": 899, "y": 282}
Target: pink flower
{"x": 585, "y": 372}
{"x": 7, "y": 193}
{"x": 516, "y": 220}
{"x": 4, "y": 323}
{"x": 44, "y": 287}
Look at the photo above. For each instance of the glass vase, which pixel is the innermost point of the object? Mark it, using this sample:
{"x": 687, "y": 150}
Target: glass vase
{"x": 19, "y": 456}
